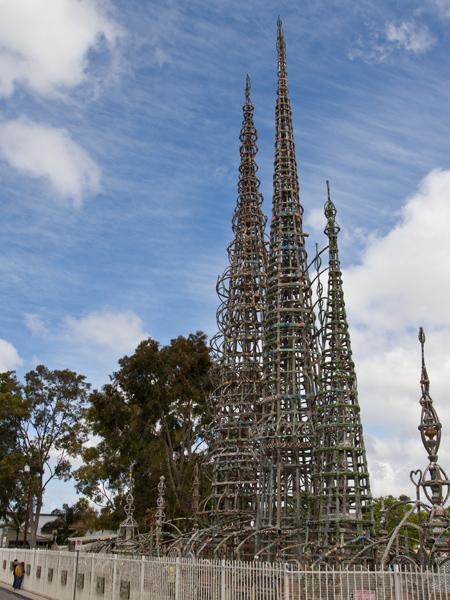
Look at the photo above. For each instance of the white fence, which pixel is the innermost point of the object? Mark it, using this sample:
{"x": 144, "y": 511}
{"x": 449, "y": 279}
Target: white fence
{"x": 73, "y": 576}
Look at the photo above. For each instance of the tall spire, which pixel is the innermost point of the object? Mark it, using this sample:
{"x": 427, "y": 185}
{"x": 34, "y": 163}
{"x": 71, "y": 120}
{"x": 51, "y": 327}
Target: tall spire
{"x": 341, "y": 478}
{"x": 290, "y": 350}
{"x": 238, "y": 344}
{"x": 281, "y": 61}
{"x": 285, "y": 177}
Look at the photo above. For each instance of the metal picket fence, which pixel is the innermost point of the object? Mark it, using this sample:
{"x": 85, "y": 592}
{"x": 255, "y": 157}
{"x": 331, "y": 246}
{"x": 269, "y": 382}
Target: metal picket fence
{"x": 83, "y": 576}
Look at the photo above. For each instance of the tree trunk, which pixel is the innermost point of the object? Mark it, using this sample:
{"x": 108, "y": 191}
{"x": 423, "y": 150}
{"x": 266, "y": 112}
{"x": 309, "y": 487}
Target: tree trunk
{"x": 35, "y": 518}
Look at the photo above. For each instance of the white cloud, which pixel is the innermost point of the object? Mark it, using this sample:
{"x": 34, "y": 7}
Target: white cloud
{"x": 402, "y": 282}
{"x": 404, "y": 277}
{"x": 9, "y": 357}
{"x": 46, "y": 47}
{"x": 409, "y": 35}
{"x": 315, "y": 220}
{"x": 35, "y": 324}
{"x": 120, "y": 331}
{"x": 390, "y": 462}
{"x": 378, "y": 46}
{"x": 44, "y": 44}
{"x": 41, "y": 151}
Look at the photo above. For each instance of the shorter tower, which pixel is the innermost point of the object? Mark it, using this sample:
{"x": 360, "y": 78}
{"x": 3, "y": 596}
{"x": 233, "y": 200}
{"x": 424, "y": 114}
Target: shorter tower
{"x": 238, "y": 347}
{"x": 341, "y": 479}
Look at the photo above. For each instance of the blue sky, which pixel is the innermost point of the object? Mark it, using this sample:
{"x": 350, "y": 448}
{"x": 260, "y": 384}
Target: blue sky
{"x": 119, "y": 126}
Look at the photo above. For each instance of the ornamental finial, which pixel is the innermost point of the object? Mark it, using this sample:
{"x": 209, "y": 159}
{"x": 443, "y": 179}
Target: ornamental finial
{"x": 434, "y": 481}
{"x": 430, "y": 426}
{"x": 424, "y": 379}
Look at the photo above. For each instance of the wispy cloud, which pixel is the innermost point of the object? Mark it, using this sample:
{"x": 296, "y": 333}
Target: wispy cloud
{"x": 410, "y": 36}
{"x": 443, "y": 7}
{"x": 35, "y": 324}
{"x": 378, "y": 46}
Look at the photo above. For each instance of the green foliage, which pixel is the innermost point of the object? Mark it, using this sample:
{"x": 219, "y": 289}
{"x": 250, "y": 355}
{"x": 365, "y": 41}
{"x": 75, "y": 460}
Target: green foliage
{"x": 72, "y": 520}
{"x": 53, "y": 428}
{"x": 11, "y": 460}
{"x": 152, "y": 416}
{"x": 54, "y": 402}
{"x": 42, "y": 425}
{"x": 395, "y": 511}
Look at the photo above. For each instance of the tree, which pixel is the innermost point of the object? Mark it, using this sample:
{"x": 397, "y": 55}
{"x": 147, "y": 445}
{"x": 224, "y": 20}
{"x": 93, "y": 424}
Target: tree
{"x": 11, "y": 460}
{"x": 72, "y": 519}
{"x": 51, "y": 430}
{"x": 395, "y": 510}
{"x": 151, "y": 415}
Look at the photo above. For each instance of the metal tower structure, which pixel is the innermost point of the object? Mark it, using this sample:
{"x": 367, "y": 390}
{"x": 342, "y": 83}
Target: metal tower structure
{"x": 424, "y": 541}
{"x": 433, "y": 481}
{"x": 341, "y": 479}
{"x": 289, "y": 468}
{"x": 238, "y": 346}
{"x": 285, "y": 431}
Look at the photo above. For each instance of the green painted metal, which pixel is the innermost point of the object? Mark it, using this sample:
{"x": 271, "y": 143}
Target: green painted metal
{"x": 341, "y": 479}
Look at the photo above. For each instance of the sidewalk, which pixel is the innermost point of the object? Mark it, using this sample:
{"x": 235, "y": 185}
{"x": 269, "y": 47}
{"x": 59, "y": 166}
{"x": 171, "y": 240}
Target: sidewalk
{"x": 10, "y": 593}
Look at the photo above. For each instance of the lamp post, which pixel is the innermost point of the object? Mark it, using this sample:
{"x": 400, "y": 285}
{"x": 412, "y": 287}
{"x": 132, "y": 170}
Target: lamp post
{"x": 27, "y": 470}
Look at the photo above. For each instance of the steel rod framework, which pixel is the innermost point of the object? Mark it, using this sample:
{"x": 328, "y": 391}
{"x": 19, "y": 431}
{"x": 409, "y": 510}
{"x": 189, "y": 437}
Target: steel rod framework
{"x": 434, "y": 482}
{"x": 341, "y": 478}
{"x": 285, "y": 430}
{"x": 238, "y": 346}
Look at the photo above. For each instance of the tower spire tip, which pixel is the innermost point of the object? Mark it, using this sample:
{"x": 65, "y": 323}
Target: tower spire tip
{"x": 280, "y": 33}
{"x": 328, "y": 191}
{"x": 247, "y": 88}
{"x": 330, "y": 209}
